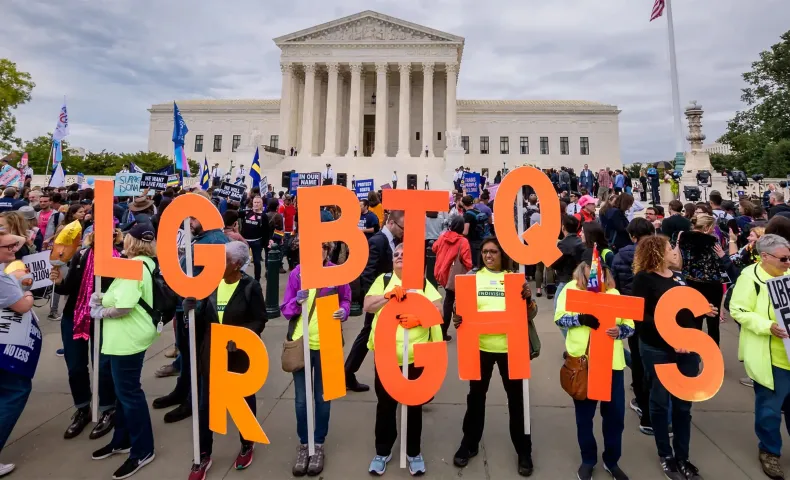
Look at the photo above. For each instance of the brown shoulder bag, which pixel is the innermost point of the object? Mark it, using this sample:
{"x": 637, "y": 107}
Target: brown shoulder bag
{"x": 573, "y": 375}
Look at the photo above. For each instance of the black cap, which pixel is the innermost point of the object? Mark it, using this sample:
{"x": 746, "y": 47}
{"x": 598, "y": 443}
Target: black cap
{"x": 143, "y": 231}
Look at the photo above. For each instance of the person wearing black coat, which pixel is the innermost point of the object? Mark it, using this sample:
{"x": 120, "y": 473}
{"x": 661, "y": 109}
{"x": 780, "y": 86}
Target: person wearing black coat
{"x": 617, "y": 222}
{"x": 572, "y": 249}
{"x": 381, "y": 245}
{"x": 243, "y": 307}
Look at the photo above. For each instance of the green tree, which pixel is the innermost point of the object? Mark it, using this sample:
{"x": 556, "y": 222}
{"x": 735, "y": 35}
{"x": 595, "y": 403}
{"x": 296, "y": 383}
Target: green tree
{"x": 15, "y": 88}
{"x": 39, "y": 151}
{"x": 634, "y": 169}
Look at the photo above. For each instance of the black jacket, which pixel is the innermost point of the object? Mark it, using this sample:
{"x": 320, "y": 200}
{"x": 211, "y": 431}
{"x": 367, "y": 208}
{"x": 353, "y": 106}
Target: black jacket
{"x": 622, "y": 268}
{"x": 572, "y": 249}
{"x": 777, "y": 209}
{"x": 246, "y": 308}
{"x": 379, "y": 260}
{"x": 616, "y": 224}
{"x": 674, "y": 224}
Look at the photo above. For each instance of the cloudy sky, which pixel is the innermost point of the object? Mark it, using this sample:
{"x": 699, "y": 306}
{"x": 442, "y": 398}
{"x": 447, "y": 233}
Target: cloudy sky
{"x": 114, "y": 58}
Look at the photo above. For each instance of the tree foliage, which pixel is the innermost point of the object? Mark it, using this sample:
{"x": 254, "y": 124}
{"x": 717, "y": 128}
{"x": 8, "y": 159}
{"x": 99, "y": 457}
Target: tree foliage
{"x": 15, "y": 88}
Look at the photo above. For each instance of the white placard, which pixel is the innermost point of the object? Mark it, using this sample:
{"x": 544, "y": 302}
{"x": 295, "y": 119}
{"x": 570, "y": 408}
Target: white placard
{"x": 14, "y": 327}
{"x": 38, "y": 265}
{"x": 779, "y": 292}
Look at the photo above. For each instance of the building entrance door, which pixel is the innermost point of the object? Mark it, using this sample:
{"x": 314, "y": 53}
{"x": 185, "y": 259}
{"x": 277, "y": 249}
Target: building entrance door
{"x": 369, "y": 136}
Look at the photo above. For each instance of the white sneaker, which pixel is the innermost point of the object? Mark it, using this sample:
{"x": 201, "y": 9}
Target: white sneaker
{"x": 6, "y": 468}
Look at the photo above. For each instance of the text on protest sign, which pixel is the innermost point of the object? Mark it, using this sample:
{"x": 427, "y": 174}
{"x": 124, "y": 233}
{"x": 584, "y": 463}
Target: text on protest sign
{"x": 154, "y": 181}
{"x": 127, "y": 184}
{"x": 230, "y": 191}
{"x": 472, "y": 183}
{"x": 294, "y": 183}
{"x": 39, "y": 267}
{"x": 309, "y": 179}
{"x": 14, "y": 327}
{"x": 173, "y": 180}
{"x": 779, "y": 292}
{"x": 9, "y": 175}
{"x": 362, "y": 188}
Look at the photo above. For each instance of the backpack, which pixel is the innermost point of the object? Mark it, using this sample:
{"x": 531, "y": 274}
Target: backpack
{"x": 165, "y": 299}
{"x": 483, "y": 228}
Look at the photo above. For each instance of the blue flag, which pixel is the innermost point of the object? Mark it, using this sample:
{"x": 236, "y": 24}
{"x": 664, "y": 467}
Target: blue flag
{"x": 255, "y": 170}
{"x": 204, "y": 174}
{"x": 180, "y": 131}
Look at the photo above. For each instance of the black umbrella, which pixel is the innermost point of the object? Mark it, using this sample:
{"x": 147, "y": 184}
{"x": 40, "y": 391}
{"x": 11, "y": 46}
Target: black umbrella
{"x": 664, "y": 164}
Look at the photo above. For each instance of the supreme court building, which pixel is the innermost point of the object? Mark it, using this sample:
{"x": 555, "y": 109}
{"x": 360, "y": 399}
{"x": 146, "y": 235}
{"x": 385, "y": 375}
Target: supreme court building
{"x": 373, "y": 94}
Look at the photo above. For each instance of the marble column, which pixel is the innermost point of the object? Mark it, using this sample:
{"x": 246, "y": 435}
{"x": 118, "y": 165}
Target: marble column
{"x": 404, "y": 113}
{"x": 309, "y": 110}
{"x": 427, "y": 109}
{"x": 285, "y": 107}
{"x": 355, "y": 113}
{"x": 382, "y": 102}
{"x": 452, "y": 102}
{"x": 332, "y": 118}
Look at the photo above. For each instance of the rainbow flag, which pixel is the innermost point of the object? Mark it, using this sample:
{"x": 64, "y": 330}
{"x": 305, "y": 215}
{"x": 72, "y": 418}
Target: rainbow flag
{"x": 596, "y": 283}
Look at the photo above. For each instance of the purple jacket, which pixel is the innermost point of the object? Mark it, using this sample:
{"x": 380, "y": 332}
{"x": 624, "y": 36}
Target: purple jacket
{"x": 290, "y": 308}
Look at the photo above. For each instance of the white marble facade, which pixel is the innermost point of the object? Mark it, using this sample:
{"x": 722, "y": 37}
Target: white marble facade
{"x": 375, "y": 85}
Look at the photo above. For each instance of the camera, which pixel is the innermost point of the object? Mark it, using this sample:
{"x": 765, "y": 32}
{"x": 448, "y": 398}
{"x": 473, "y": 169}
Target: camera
{"x": 704, "y": 178}
{"x": 692, "y": 193}
{"x": 758, "y": 177}
{"x": 737, "y": 178}
{"x": 783, "y": 184}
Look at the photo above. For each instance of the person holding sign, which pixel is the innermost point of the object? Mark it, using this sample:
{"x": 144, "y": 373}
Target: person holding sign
{"x": 386, "y": 288}
{"x": 763, "y": 349}
{"x": 490, "y": 281}
{"x": 577, "y": 342}
{"x": 294, "y": 303}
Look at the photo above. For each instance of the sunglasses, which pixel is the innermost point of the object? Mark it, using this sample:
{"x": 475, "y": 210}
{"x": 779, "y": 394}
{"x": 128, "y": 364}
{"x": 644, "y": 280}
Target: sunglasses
{"x": 397, "y": 255}
{"x": 781, "y": 259}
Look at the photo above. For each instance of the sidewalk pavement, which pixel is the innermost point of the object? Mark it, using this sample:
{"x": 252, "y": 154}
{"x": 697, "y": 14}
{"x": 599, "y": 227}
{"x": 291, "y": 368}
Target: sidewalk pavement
{"x": 723, "y": 444}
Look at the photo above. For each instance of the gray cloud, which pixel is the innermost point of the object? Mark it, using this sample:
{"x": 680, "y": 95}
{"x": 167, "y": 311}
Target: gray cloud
{"x": 114, "y": 59}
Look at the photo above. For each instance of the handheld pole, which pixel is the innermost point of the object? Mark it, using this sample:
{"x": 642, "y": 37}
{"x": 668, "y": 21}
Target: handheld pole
{"x": 308, "y": 385}
{"x": 96, "y": 354}
{"x": 192, "y": 353}
{"x": 522, "y": 269}
{"x": 404, "y": 410}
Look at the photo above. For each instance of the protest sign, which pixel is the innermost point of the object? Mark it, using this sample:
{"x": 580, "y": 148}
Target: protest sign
{"x": 309, "y": 179}
{"x": 38, "y": 265}
{"x": 9, "y": 175}
{"x": 472, "y": 183}
{"x": 173, "y": 180}
{"x": 779, "y": 291}
{"x": 294, "y": 183}
{"x": 363, "y": 187}
{"x": 127, "y": 184}
{"x": 14, "y": 327}
{"x": 230, "y": 191}
{"x": 153, "y": 181}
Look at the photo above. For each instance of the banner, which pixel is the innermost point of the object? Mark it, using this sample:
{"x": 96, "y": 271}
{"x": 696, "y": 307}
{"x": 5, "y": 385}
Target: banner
{"x": 363, "y": 187}
{"x": 779, "y": 291}
{"x": 230, "y": 191}
{"x": 294, "y": 183}
{"x": 472, "y": 183}
{"x": 309, "y": 179}
{"x": 154, "y": 181}
{"x": 127, "y": 184}
{"x": 9, "y": 176}
{"x": 38, "y": 265}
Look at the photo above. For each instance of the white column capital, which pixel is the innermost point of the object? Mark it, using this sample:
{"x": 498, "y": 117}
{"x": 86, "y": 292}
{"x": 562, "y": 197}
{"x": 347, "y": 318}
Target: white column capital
{"x": 309, "y": 68}
{"x": 382, "y": 67}
{"x": 452, "y": 68}
{"x": 404, "y": 68}
{"x": 332, "y": 68}
{"x": 356, "y": 68}
{"x": 287, "y": 67}
{"x": 428, "y": 68}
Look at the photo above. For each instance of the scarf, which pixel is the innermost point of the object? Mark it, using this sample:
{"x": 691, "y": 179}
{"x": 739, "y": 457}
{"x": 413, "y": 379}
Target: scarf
{"x": 82, "y": 310}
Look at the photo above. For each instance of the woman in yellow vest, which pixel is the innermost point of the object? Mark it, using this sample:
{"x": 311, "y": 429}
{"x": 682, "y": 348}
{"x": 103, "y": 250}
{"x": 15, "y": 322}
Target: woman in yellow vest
{"x": 493, "y": 350}
{"x": 613, "y": 412}
{"x": 384, "y": 288}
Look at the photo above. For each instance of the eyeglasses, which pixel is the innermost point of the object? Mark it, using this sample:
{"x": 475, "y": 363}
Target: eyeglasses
{"x": 398, "y": 224}
{"x": 397, "y": 254}
{"x": 10, "y": 247}
{"x": 781, "y": 259}
{"x": 490, "y": 252}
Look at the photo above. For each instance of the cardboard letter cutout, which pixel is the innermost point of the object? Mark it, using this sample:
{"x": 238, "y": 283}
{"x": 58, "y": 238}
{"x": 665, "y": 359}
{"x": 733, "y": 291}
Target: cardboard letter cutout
{"x": 104, "y": 233}
{"x": 706, "y": 384}
{"x": 607, "y": 309}
{"x": 313, "y": 233}
{"x": 227, "y": 390}
{"x": 331, "y": 334}
{"x": 541, "y": 238}
{"x": 512, "y": 321}
{"x": 432, "y": 356}
{"x": 211, "y": 257}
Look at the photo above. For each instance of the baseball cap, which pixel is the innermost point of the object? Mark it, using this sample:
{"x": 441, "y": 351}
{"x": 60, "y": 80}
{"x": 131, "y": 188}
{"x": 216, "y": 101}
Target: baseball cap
{"x": 143, "y": 231}
{"x": 28, "y": 212}
{"x": 586, "y": 200}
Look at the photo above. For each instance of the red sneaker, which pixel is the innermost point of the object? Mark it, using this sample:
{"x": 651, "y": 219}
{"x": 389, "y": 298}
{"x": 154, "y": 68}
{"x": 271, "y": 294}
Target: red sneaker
{"x": 199, "y": 472}
{"x": 245, "y": 457}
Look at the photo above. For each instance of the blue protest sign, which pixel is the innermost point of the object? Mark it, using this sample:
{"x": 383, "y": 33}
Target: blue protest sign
{"x": 472, "y": 183}
{"x": 127, "y": 184}
{"x": 363, "y": 187}
{"x": 294, "y": 183}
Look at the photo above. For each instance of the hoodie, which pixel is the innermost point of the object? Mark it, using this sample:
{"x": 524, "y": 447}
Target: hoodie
{"x": 447, "y": 248}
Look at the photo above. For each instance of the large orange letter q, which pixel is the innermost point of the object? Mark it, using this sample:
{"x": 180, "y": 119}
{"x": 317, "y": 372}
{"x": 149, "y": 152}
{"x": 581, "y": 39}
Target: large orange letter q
{"x": 104, "y": 233}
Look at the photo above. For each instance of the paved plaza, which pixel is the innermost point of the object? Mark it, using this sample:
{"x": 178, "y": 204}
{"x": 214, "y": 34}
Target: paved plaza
{"x": 723, "y": 444}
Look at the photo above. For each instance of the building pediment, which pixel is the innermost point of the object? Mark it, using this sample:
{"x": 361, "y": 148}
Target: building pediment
{"x": 368, "y": 27}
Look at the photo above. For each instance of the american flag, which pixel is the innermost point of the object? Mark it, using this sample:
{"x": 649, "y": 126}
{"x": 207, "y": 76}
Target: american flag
{"x": 658, "y": 9}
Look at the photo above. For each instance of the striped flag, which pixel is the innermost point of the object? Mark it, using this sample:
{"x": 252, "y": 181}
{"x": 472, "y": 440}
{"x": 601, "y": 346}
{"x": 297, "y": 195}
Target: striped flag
{"x": 255, "y": 170}
{"x": 595, "y": 282}
{"x": 658, "y": 9}
{"x": 204, "y": 183}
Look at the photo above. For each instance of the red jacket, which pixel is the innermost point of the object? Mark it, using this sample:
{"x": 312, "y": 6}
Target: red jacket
{"x": 446, "y": 248}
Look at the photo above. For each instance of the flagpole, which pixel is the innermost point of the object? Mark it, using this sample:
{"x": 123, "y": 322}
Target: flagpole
{"x": 673, "y": 66}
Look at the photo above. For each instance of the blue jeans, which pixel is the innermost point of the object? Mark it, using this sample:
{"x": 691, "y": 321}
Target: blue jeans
{"x": 663, "y": 404}
{"x": 78, "y": 354}
{"x": 768, "y": 411}
{"x": 132, "y": 420}
{"x": 321, "y": 407}
{"x": 14, "y": 391}
{"x": 613, "y": 414}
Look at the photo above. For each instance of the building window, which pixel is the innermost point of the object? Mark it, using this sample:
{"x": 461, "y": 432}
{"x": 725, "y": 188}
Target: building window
{"x": 274, "y": 141}
{"x": 544, "y": 145}
{"x": 217, "y": 143}
{"x": 418, "y": 136}
{"x": 585, "y": 145}
{"x": 438, "y": 135}
{"x": 484, "y": 145}
{"x": 198, "y": 143}
{"x": 465, "y": 143}
{"x": 524, "y": 145}
{"x": 236, "y": 142}
{"x": 504, "y": 145}
{"x": 565, "y": 149}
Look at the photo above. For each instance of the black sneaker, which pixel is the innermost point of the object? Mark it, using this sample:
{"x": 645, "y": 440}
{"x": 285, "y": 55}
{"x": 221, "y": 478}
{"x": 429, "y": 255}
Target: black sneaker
{"x": 585, "y": 472}
{"x": 616, "y": 473}
{"x": 179, "y": 413}
{"x": 109, "y": 451}
{"x": 525, "y": 466}
{"x": 130, "y": 466}
{"x": 167, "y": 401}
{"x": 689, "y": 470}
{"x": 670, "y": 468}
{"x": 80, "y": 419}
{"x": 462, "y": 456}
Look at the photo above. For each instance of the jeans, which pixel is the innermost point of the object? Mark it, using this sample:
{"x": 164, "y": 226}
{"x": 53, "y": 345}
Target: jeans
{"x": 660, "y": 400}
{"x": 14, "y": 391}
{"x": 256, "y": 247}
{"x": 714, "y": 294}
{"x": 132, "y": 420}
{"x": 206, "y": 435}
{"x": 447, "y": 310}
{"x": 78, "y": 354}
{"x": 474, "y": 420}
{"x": 322, "y": 408}
{"x": 387, "y": 423}
{"x": 286, "y": 249}
{"x": 544, "y": 277}
{"x": 358, "y": 350}
{"x": 55, "y": 302}
{"x": 768, "y": 411}
{"x": 613, "y": 415}
{"x": 183, "y": 388}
